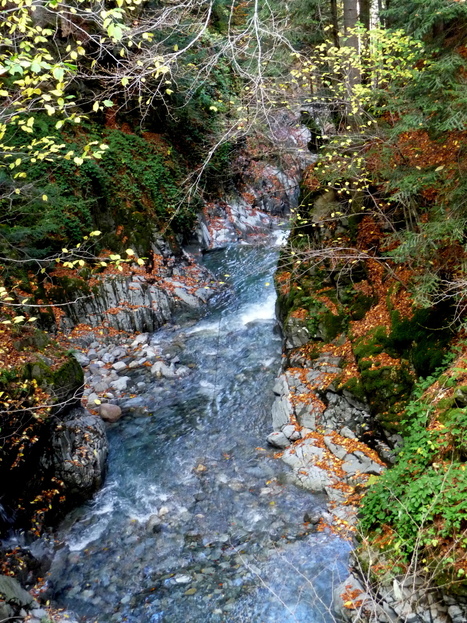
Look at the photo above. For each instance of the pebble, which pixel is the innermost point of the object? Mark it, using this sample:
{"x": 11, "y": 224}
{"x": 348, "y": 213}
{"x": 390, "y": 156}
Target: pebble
{"x": 92, "y": 398}
{"x": 119, "y": 365}
{"x": 110, "y": 413}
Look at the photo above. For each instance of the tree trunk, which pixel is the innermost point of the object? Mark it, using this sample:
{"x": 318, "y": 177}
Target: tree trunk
{"x": 335, "y": 24}
{"x": 350, "y": 20}
{"x": 365, "y": 9}
{"x": 350, "y": 13}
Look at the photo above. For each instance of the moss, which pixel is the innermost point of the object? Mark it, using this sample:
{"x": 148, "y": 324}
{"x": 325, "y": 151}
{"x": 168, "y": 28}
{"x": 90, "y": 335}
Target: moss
{"x": 374, "y": 343}
{"x": 424, "y": 338}
{"x": 331, "y": 325}
{"x": 355, "y": 387}
{"x": 63, "y": 383}
{"x": 361, "y": 305}
{"x": 387, "y": 389}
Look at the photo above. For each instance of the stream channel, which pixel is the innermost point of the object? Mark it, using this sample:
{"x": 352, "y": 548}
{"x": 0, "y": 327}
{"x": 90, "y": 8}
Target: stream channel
{"x": 196, "y": 521}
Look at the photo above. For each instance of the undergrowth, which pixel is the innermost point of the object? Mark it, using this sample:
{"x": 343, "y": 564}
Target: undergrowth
{"x": 418, "y": 508}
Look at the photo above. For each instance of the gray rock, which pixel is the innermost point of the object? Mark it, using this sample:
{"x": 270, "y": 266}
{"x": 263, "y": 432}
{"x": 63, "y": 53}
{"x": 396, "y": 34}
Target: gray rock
{"x": 313, "y": 478}
{"x": 100, "y": 387}
{"x": 288, "y": 430}
{"x": 312, "y": 517}
{"x": 142, "y": 338}
{"x": 92, "y": 399}
{"x": 337, "y": 450}
{"x": 281, "y": 387}
{"x": 110, "y": 413}
{"x": 360, "y": 463}
{"x": 281, "y": 412}
{"x": 40, "y": 613}
{"x": 77, "y": 452}
{"x": 108, "y": 358}
{"x": 6, "y": 612}
{"x": 81, "y": 358}
{"x": 154, "y": 524}
{"x": 119, "y": 365}
{"x": 306, "y": 416}
{"x": 278, "y": 440}
{"x": 296, "y": 333}
{"x": 118, "y": 352}
{"x": 186, "y": 297}
{"x": 120, "y": 384}
{"x": 346, "y": 432}
{"x": 133, "y": 364}
{"x": 350, "y": 585}
{"x": 160, "y": 369}
{"x": 291, "y": 432}
{"x": 14, "y": 594}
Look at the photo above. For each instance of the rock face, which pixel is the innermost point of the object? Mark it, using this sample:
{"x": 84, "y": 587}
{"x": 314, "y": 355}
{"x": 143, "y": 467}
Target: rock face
{"x": 142, "y": 299}
{"x": 77, "y": 453}
{"x": 264, "y": 191}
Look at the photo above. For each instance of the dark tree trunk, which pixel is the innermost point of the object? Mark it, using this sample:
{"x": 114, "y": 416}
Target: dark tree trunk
{"x": 365, "y": 8}
{"x": 335, "y": 23}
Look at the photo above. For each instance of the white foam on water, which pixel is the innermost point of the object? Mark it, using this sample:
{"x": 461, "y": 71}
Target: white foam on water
{"x": 88, "y": 534}
{"x": 265, "y": 310}
{"x": 204, "y": 327}
{"x": 280, "y": 237}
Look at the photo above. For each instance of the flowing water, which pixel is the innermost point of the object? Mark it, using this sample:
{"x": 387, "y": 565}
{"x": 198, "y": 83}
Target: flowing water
{"x": 197, "y": 522}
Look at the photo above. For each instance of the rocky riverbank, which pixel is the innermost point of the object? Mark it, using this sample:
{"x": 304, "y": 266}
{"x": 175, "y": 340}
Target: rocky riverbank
{"x": 355, "y": 347}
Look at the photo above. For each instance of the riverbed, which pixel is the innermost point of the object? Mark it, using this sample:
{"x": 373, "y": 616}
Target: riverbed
{"x": 197, "y": 520}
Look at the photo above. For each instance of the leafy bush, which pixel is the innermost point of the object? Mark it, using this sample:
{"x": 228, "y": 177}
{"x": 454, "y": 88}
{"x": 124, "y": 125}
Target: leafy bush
{"x": 422, "y": 501}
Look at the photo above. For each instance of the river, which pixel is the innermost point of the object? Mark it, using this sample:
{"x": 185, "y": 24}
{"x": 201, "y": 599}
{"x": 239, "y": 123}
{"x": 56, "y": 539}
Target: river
{"x": 197, "y": 521}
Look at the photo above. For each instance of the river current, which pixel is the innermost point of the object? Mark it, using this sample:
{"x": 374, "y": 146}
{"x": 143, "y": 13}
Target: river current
{"x": 197, "y": 521}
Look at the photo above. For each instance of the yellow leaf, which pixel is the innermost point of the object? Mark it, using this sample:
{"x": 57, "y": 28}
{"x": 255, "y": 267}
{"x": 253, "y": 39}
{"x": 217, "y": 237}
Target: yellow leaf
{"x": 129, "y": 252}
{"x": 45, "y": 198}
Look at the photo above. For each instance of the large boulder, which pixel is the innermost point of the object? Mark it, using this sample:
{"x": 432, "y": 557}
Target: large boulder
{"x": 77, "y": 453}
{"x": 13, "y": 597}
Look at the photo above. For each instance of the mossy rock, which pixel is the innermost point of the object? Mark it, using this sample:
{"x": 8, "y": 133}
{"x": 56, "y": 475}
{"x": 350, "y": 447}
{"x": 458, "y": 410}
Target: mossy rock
{"x": 374, "y": 343}
{"x": 355, "y": 387}
{"x": 35, "y": 339}
{"x": 330, "y": 325}
{"x": 422, "y": 338}
{"x": 460, "y": 396}
{"x": 361, "y": 305}
{"x": 64, "y": 383}
{"x": 387, "y": 389}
